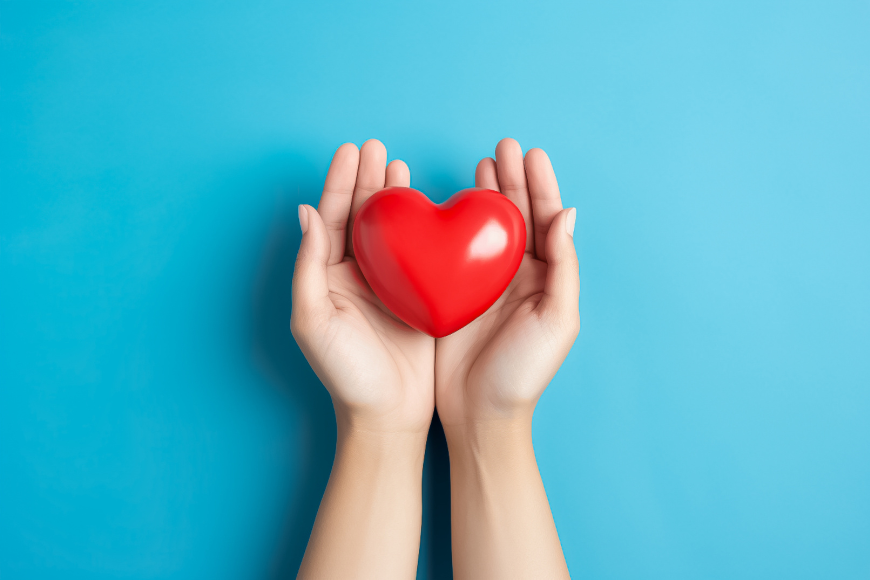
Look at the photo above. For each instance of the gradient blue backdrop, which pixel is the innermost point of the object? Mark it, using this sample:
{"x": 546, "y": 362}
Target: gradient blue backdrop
{"x": 156, "y": 418}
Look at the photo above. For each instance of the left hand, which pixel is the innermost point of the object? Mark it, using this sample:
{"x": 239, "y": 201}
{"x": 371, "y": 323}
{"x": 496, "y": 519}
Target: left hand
{"x": 378, "y": 370}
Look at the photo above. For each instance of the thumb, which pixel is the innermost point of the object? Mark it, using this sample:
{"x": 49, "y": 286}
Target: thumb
{"x": 562, "y": 286}
{"x": 310, "y": 287}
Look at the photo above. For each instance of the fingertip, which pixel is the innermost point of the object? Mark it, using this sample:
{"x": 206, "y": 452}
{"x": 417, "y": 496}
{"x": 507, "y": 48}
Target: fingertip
{"x": 508, "y": 146}
{"x": 375, "y": 148}
{"x": 347, "y": 147}
{"x": 486, "y": 174}
{"x": 560, "y": 236}
{"x": 346, "y": 151}
{"x": 508, "y": 142}
{"x": 537, "y": 156}
{"x": 485, "y": 164}
{"x": 303, "y": 218}
{"x": 398, "y": 174}
{"x": 311, "y": 220}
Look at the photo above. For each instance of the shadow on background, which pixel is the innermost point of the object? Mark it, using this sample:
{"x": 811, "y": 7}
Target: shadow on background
{"x": 436, "y": 562}
{"x": 295, "y": 181}
{"x": 281, "y": 360}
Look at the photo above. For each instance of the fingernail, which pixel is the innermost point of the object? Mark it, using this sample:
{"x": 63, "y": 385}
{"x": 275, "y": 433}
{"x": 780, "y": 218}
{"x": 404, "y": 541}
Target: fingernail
{"x": 303, "y": 218}
{"x": 572, "y": 219}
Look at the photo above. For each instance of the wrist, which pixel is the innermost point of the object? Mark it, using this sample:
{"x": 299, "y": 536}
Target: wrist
{"x": 383, "y": 426}
{"x": 496, "y": 441}
{"x": 379, "y": 446}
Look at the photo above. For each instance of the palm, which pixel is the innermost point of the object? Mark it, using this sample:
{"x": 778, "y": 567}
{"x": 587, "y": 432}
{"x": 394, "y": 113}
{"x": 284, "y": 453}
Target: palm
{"x": 482, "y": 365}
{"x": 377, "y": 348}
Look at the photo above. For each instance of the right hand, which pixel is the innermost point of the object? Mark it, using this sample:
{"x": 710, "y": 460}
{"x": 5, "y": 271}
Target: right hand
{"x": 494, "y": 369}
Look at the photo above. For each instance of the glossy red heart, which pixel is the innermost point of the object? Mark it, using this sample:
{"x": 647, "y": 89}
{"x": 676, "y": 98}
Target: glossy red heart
{"x": 438, "y": 267}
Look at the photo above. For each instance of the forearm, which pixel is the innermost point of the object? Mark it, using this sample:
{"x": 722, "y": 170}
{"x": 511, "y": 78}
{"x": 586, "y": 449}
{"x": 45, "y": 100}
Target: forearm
{"x": 368, "y": 524}
{"x": 501, "y": 521}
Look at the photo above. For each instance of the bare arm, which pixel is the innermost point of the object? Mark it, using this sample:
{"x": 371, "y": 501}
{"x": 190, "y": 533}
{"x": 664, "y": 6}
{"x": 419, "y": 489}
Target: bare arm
{"x": 368, "y": 524}
{"x": 502, "y": 526}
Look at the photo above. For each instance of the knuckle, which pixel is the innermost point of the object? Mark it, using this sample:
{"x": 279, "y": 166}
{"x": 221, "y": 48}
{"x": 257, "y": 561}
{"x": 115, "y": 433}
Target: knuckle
{"x": 511, "y": 188}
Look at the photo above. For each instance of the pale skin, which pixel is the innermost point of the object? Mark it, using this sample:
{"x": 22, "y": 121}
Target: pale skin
{"x": 386, "y": 379}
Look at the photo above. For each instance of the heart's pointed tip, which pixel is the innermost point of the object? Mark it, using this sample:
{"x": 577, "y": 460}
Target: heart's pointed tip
{"x": 434, "y": 333}
{"x": 434, "y": 330}
{"x": 444, "y": 332}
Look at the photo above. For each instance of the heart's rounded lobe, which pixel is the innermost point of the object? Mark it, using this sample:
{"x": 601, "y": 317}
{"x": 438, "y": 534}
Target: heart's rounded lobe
{"x": 438, "y": 267}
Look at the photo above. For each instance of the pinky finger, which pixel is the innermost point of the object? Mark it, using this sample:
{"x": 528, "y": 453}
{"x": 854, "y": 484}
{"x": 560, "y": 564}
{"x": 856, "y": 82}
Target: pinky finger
{"x": 398, "y": 174}
{"x": 486, "y": 176}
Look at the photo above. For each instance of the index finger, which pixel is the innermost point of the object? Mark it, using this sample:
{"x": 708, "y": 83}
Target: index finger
{"x": 544, "y": 192}
{"x": 334, "y": 206}
{"x": 512, "y": 181}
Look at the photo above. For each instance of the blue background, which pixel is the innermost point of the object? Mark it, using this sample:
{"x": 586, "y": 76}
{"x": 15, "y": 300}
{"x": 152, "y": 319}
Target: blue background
{"x": 156, "y": 417}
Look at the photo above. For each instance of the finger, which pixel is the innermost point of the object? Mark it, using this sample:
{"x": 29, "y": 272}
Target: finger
{"x": 334, "y": 206}
{"x": 311, "y": 303}
{"x": 485, "y": 176}
{"x": 512, "y": 179}
{"x": 544, "y": 193}
{"x": 370, "y": 178}
{"x": 398, "y": 174}
{"x": 562, "y": 285}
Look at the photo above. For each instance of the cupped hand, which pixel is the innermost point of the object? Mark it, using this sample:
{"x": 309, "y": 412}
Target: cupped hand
{"x": 378, "y": 370}
{"x": 498, "y": 366}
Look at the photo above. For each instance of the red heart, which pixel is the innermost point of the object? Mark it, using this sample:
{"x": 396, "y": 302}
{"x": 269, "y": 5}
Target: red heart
{"x": 438, "y": 267}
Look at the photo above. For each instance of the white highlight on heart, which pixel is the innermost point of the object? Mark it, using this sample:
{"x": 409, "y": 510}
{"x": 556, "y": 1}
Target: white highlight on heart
{"x": 490, "y": 241}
